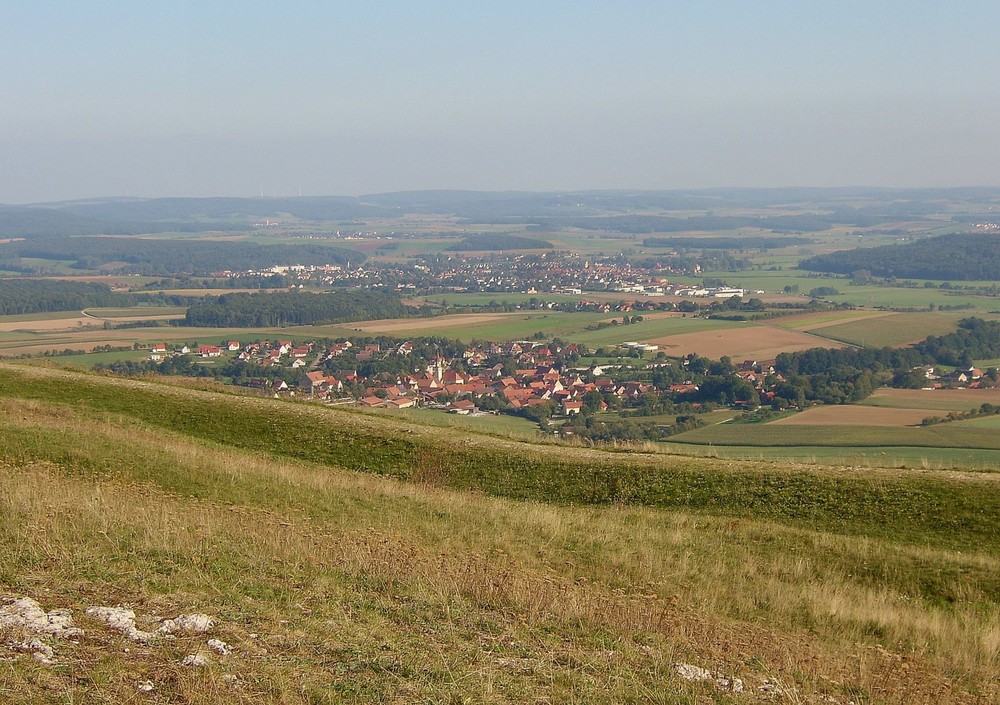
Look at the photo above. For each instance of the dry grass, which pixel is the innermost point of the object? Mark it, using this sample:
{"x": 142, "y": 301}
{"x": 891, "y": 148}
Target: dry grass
{"x": 362, "y": 588}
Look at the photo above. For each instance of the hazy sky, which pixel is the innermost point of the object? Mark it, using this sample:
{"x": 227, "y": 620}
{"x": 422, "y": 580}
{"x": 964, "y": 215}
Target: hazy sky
{"x": 228, "y": 98}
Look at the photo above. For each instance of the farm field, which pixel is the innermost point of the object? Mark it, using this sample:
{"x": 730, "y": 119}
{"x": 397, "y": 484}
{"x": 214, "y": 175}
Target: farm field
{"x": 86, "y": 338}
{"x": 915, "y": 457}
{"x": 857, "y": 415}
{"x": 824, "y": 319}
{"x": 893, "y": 330}
{"x": 743, "y": 341}
{"x": 928, "y": 399}
{"x": 783, "y": 434}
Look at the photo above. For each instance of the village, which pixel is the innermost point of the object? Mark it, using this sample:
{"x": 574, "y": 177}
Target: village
{"x": 554, "y": 273}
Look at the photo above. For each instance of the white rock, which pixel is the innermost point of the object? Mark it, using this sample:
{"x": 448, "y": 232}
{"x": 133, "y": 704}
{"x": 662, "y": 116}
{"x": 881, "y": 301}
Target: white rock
{"x": 27, "y": 614}
{"x": 190, "y": 623}
{"x": 145, "y": 687}
{"x": 220, "y": 647}
{"x": 693, "y": 673}
{"x": 37, "y": 648}
{"x": 122, "y": 619}
{"x": 726, "y": 683}
{"x": 198, "y": 660}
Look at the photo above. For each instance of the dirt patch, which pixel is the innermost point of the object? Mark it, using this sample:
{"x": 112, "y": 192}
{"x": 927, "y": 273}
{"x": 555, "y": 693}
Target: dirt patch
{"x": 849, "y": 415}
{"x": 391, "y": 325}
{"x": 746, "y": 342}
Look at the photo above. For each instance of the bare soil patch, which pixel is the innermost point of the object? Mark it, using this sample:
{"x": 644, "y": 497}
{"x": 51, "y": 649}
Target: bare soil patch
{"x": 55, "y": 324}
{"x": 850, "y": 415}
{"x": 748, "y": 342}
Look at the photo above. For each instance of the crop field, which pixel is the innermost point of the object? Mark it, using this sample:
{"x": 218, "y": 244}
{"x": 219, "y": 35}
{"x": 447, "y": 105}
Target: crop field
{"x": 743, "y": 341}
{"x": 931, "y": 399}
{"x": 824, "y": 319}
{"x": 857, "y": 415}
{"x": 914, "y": 457}
{"x": 783, "y": 434}
{"x": 137, "y": 313}
{"x": 893, "y": 330}
{"x": 897, "y": 297}
{"x": 992, "y": 422}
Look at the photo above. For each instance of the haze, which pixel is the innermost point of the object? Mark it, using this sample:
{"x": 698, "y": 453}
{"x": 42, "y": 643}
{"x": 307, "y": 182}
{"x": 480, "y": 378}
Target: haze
{"x": 201, "y": 99}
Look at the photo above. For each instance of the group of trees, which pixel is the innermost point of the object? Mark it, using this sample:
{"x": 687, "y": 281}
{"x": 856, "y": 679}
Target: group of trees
{"x": 289, "y": 308}
{"x": 975, "y": 339}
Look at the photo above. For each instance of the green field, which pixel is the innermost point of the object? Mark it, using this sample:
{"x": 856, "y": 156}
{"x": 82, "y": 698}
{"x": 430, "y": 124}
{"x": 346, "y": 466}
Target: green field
{"x": 44, "y": 316}
{"x": 930, "y": 401}
{"x": 984, "y": 422}
{"x": 767, "y": 435}
{"x": 495, "y": 425}
{"x": 136, "y": 311}
{"x": 890, "y": 331}
{"x": 976, "y": 459}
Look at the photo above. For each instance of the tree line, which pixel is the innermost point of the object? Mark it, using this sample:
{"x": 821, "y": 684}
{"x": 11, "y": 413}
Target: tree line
{"x": 294, "y": 308}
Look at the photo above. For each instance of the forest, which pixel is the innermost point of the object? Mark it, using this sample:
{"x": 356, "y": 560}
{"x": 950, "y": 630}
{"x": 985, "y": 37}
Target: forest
{"x": 294, "y": 308}
{"x": 964, "y": 256}
{"x": 24, "y": 296}
{"x": 166, "y": 257}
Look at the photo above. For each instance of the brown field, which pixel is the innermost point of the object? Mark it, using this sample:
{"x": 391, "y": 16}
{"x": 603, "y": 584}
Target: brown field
{"x": 392, "y": 325}
{"x": 752, "y": 341}
{"x": 921, "y": 397}
{"x": 72, "y": 322}
{"x": 850, "y": 415}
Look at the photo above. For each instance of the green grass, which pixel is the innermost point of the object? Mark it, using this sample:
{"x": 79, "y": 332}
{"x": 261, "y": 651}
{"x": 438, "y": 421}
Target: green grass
{"x": 496, "y": 425}
{"x": 906, "y": 509}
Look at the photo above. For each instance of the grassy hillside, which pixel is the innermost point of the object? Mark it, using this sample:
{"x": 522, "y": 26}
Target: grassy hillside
{"x": 347, "y": 557}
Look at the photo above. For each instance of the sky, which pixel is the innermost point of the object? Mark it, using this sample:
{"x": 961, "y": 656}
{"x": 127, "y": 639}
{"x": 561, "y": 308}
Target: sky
{"x": 217, "y": 98}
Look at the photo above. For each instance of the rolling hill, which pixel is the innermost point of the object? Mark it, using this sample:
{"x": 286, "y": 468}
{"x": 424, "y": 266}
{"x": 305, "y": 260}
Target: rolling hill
{"x": 348, "y": 558}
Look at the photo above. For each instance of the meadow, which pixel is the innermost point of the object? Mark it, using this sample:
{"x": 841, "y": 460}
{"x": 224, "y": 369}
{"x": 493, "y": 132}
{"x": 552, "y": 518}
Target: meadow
{"x": 345, "y": 559}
